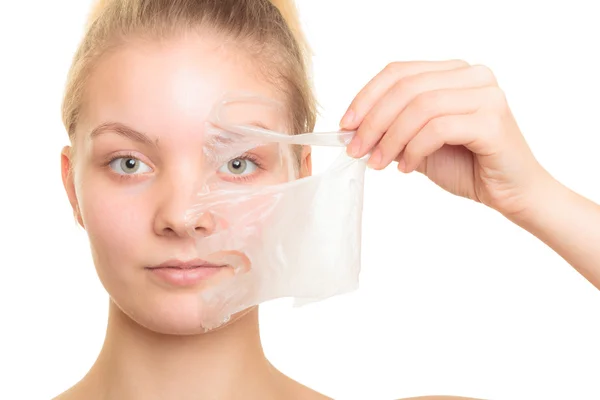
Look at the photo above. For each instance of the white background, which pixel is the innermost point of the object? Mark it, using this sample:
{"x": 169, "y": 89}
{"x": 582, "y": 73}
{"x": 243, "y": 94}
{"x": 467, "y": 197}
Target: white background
{"x": 453, "y": 298}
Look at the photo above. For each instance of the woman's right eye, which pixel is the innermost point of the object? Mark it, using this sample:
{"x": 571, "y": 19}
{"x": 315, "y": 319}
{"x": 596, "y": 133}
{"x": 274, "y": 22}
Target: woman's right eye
{"x": 129, "y": 166}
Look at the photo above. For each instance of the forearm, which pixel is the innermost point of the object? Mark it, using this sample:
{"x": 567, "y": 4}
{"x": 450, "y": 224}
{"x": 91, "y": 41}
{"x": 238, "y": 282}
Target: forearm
{"x": 569, "y": 224}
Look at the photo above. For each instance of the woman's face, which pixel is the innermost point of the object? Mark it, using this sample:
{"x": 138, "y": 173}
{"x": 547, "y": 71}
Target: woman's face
{"x": 139, "y": 163}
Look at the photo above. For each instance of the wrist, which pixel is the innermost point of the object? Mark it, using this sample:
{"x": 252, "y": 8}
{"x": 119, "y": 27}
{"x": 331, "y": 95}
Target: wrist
{"x": 567, "y": 222}
{"x": 541, "y": 201}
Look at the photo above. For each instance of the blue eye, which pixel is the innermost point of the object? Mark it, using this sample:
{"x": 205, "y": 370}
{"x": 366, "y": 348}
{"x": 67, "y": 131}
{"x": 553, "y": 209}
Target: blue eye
{"x": 239, "y": 166}
{"x": 129, "y": 166}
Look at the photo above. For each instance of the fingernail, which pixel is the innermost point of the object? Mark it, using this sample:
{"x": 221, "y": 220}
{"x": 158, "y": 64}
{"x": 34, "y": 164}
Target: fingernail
{"x": 375, "y": 158}
{"x": 354, "y": 147}
{"x": 347, "y": 119}
{"x": 402, "y": 165}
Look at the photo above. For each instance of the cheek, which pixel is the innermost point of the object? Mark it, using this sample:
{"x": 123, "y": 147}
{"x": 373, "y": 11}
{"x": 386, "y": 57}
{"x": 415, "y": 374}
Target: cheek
{"x": 116, "y": 222}
{"x": 254, "y": 216}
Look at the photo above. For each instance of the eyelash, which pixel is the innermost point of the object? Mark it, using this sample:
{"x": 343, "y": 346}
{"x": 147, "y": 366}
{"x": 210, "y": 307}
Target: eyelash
{"x": 125, "y": 177}
{"x": 122, "y": 177}
{"x": 252, "y": 158}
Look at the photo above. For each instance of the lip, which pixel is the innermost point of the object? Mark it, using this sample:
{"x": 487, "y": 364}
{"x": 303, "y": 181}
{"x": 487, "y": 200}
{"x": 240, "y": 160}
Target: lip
{"x": 185, "y": 273}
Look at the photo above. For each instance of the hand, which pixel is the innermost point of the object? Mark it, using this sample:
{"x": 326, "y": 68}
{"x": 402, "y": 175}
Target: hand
{"x": 450, "y": 121}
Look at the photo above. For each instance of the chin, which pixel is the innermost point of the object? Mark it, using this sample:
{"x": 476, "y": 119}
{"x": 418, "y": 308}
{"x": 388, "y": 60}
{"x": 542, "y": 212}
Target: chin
{"x": 175, "y": 313}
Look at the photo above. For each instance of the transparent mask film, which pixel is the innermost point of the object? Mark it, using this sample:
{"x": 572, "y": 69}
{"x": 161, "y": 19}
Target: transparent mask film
{"x": 274, "y": 228}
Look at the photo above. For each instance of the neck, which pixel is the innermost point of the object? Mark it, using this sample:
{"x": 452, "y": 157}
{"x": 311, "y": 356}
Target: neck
{"x": 229, "y": 363}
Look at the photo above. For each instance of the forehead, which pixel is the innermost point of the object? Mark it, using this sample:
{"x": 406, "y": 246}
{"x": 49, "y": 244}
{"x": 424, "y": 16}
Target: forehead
{"x": 169, "y": 85}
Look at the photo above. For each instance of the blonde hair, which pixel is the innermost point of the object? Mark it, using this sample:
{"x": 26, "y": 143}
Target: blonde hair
{"x": 269, "y": 30}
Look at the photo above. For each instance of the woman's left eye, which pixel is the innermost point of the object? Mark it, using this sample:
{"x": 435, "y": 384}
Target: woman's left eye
{"x": 129, "y": 166}
{"x": 238, "y": 166}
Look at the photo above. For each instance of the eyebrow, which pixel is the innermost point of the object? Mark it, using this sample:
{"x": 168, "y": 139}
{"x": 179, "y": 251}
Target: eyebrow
{"x": 259, "y": 124}
{"x": 132, "y": 134}
{"x": 123, "y": 130}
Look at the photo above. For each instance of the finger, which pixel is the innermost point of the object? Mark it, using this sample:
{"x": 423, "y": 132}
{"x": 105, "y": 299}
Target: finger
{"x": 445, "y": 130}
{"x": 378, "y": 119}
{"x": 384, "y": 80}
{"x": 419, "y": 112}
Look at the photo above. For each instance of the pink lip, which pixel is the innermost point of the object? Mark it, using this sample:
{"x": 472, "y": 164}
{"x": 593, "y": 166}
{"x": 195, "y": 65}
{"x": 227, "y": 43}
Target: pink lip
{"x": 188, "y": 273}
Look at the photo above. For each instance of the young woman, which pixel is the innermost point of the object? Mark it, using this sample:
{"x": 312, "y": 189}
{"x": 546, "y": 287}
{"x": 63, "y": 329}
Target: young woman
{"x": 141, "y": 87}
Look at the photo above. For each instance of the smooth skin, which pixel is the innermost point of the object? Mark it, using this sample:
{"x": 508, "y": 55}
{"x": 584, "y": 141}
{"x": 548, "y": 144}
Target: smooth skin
{"x": 451, "y": 122}
{"x": 447, "y": 120}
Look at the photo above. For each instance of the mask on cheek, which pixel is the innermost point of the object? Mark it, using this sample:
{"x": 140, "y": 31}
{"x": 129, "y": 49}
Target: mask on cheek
{"x": 279, "y": 234}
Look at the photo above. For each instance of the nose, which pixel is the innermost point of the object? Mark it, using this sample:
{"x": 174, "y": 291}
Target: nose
{"x": 177, "y": 218}
{"x": 202, "y": 223}
{"x": 177, "y": 221}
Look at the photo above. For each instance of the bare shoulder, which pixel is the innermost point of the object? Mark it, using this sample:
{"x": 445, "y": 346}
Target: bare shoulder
{"x": 440, "y": 398}
{"x": 70, "y": 394}
{"x": 64, "y": 396}
{"x": 79, "y": 391}
{"x": 298, "y": 391}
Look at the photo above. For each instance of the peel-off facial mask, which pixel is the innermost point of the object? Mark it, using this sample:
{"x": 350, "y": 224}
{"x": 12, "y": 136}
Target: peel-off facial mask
{"x": 280, "y": 229}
